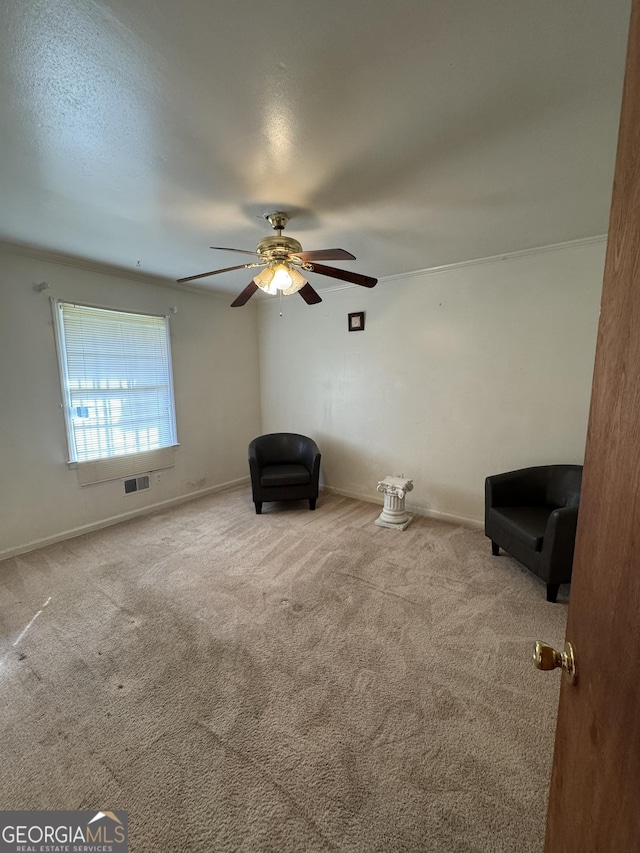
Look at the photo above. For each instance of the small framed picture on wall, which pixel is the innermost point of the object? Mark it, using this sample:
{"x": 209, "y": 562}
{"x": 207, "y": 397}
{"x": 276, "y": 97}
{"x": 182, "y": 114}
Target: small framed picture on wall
{"x": 356, "y": 321}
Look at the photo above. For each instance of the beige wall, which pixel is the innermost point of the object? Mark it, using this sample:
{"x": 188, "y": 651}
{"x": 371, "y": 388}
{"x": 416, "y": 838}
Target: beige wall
{"x": 215, "y": 359}
{"x": 459, "y": 373}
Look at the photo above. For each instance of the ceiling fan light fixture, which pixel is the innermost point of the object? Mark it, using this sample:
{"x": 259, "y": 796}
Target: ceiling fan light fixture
{"x": 280, "y": 276}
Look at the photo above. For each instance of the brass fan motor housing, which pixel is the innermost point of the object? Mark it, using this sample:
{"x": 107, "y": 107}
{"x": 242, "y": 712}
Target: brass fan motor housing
{"x": 278, "y": 248}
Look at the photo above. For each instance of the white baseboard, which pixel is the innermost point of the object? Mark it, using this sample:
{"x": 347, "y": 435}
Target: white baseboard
{"x": 116, "y": 519}
{"x": 417, "y": 510}
{"x": 156, "y": 507}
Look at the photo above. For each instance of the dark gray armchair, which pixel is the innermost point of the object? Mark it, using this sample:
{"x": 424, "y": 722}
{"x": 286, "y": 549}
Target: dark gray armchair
{"x": 532, "y": 514}
{"x": 284, "y": 466}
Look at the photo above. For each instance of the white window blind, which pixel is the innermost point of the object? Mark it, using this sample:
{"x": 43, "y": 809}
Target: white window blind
{"x": 116, "y": 380}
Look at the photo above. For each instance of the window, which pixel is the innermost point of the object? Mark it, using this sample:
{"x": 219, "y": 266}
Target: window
{"x": 115, "y": 370}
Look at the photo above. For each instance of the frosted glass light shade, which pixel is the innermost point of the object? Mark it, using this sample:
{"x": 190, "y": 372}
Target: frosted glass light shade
{"x": 280, "y": 276}
{"x": 297, "y": 281}
{"x": 264, "y": 280}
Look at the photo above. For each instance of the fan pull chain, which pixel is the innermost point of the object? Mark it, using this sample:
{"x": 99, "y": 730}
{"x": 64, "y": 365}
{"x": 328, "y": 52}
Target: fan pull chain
{"x": 280, "y": 292}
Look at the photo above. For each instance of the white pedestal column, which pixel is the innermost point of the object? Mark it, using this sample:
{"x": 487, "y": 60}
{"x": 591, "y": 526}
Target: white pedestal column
{"x": 394, "y": 515}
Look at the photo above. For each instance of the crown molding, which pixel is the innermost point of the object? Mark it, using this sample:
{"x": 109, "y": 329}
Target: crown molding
{"x": 507, "y": 256}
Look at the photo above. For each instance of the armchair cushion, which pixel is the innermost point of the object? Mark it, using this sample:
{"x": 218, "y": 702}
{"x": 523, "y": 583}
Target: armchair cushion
{"x": 526, "y": 523}
{"x": 284, "y": 475}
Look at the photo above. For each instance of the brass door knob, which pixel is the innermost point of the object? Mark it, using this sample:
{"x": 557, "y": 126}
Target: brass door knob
{"x": 545, "y": 657}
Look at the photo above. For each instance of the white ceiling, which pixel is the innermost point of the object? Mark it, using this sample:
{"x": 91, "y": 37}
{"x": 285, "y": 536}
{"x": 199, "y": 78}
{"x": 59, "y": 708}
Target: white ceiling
{"x": 413, "y": 134}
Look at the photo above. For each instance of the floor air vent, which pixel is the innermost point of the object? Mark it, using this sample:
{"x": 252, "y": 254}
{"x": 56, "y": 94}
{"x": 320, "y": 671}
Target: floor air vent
{"x": 136, "y": 484}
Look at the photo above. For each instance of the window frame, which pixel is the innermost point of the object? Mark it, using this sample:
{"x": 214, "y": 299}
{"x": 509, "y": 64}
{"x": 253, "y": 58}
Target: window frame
{"x": 111, "y": 467}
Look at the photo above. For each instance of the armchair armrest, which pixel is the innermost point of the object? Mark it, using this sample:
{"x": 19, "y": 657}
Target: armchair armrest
{"x": 560, "y": 535}
{"x": 525, "y": 487}
{"x": 254, "y": 464}
{"x": 310, "y": 457}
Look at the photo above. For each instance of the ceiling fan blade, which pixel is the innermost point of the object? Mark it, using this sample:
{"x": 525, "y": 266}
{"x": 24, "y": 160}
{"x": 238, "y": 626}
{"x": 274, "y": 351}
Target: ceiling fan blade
{"x": 226, "y": 249}
{"x": 309, "y": 295}
{"x": 212, "y": 272}
{"x": 346, "y": 275}
{"x": 245, "y": 296}
{"x": 326, "y": 255}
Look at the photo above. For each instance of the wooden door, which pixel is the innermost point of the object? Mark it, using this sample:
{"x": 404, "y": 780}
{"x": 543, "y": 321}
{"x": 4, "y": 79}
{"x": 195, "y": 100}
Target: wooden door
{"x": 594, "y": 802}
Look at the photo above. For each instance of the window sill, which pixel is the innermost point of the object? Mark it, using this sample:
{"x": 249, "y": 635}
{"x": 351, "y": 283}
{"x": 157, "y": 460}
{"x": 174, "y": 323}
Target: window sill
{"x": 117, "y": 467}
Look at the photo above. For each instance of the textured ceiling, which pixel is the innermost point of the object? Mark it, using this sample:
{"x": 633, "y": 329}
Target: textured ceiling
{"x": 413, "y": 134}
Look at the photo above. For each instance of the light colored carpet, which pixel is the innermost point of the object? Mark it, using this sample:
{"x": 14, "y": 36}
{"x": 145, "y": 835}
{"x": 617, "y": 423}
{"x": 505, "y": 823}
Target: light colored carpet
{"x": 295, "y": 681}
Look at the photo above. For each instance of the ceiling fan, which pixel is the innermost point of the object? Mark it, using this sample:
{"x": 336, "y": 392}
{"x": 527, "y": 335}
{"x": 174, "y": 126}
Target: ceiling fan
{"x": 282, "y": 259}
